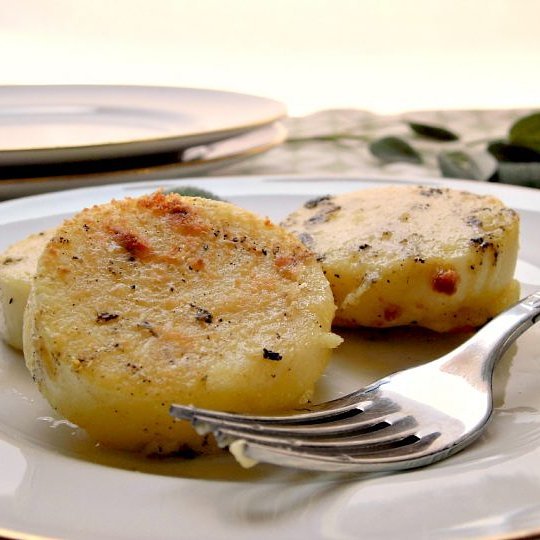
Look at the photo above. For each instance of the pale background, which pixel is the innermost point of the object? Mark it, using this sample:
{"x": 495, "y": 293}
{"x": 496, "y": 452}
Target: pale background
{"x": 380, "y": 55}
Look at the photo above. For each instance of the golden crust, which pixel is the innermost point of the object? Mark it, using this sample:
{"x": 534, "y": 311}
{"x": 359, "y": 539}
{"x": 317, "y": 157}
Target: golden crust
{"x": 140, "y": 303}
{"x": 401, "y": 255}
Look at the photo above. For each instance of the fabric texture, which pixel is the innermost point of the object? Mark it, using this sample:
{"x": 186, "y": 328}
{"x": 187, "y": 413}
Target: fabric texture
{"x": 336, "y": 142}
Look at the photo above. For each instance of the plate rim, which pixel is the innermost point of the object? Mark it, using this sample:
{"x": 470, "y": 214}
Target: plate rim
{"x": 273, "y": 111}
{"x": 277, "y": 134}
{"x": 529, "y": 198}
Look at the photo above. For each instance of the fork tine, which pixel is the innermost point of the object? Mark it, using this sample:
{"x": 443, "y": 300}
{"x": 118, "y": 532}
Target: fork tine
{"x": 361, "y": 423}
{"x": 350, "y": 405}
{"x": 336, "y": 438}
{"x": 409, "y": 453}
{"x": 188, "y": 412}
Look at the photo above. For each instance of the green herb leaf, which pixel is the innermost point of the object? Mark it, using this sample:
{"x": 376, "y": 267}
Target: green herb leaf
{"x": 459, "y": 164}
{"x": 526, "y": 132}
{"x": 394, "y": 149}
{"x": 191, "y": 191}
{"x": 433, "y": 132}
{"x": 520, "y": 174}
{"x": 503, "y": 151}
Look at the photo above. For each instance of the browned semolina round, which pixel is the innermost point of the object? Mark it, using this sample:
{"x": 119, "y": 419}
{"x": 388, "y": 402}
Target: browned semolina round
{"x": 164, "y": 299}
{"x": 435, "y": 257}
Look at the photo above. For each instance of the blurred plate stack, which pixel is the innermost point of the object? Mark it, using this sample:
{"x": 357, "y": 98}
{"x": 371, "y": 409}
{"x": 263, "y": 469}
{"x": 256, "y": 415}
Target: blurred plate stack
{"x": 60, "y": 137}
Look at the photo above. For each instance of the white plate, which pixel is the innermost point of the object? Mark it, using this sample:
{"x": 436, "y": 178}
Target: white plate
{"x": 54, "y": 482}
{"x": 43, "y": 124}
{"x": 196, "y": 160}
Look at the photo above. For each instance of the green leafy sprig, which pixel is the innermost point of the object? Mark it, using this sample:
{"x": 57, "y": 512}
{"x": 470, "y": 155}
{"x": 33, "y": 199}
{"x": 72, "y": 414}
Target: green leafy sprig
{"x": 515, "y": 160}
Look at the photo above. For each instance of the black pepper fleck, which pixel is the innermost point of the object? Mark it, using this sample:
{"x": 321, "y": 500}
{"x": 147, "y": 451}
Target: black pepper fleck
{"x": 11, "y": 260}
{"x": 474, "y": 221}
{"x": 106, "y": 317}
{"x": 325, "y": 214}
{"x": 306, "y": 239}
{"x": 148, "y": 326}
{"x": 271, "y": 355}
{"x": 431, "y": 192}
{"x": 202, "y": 314}
{"x": 313, "y": 203}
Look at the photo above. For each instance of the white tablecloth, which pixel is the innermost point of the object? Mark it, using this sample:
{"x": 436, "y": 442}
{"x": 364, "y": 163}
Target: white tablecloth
{"x": 336, "y": 142}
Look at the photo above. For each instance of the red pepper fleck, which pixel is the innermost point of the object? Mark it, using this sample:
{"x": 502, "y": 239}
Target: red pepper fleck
{"x": 283, "y": 261}
{"x": 445, "y": 281}
{"x": 131, "y": 243}
{"x": 392, "y": 312}
{"x": 198, "y": 265}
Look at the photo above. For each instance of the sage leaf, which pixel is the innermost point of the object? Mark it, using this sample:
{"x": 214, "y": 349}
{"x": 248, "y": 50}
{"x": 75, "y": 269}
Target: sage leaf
{"x": 526, "y": 132}
{"x": 459, "y": 164}
{"x": 520, "y": 174}
{"x": 503, "y": 151}
{"x": 192, "y": 191}
{"x": 394, "y": 149}
{"x": 433, "y": 132}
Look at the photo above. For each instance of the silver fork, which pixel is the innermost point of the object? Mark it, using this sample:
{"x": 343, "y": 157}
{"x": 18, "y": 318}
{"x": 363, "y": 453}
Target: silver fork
{"x": 411, "y": 418}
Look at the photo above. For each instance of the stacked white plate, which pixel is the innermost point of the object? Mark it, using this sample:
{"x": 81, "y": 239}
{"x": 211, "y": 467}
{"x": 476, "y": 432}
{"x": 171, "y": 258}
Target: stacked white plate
{"x": 58, "y": 137}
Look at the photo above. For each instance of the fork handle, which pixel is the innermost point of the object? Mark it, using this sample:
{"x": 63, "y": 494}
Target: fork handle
{"x": 496, "y": 336}
{"x": 532, "y": 301}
